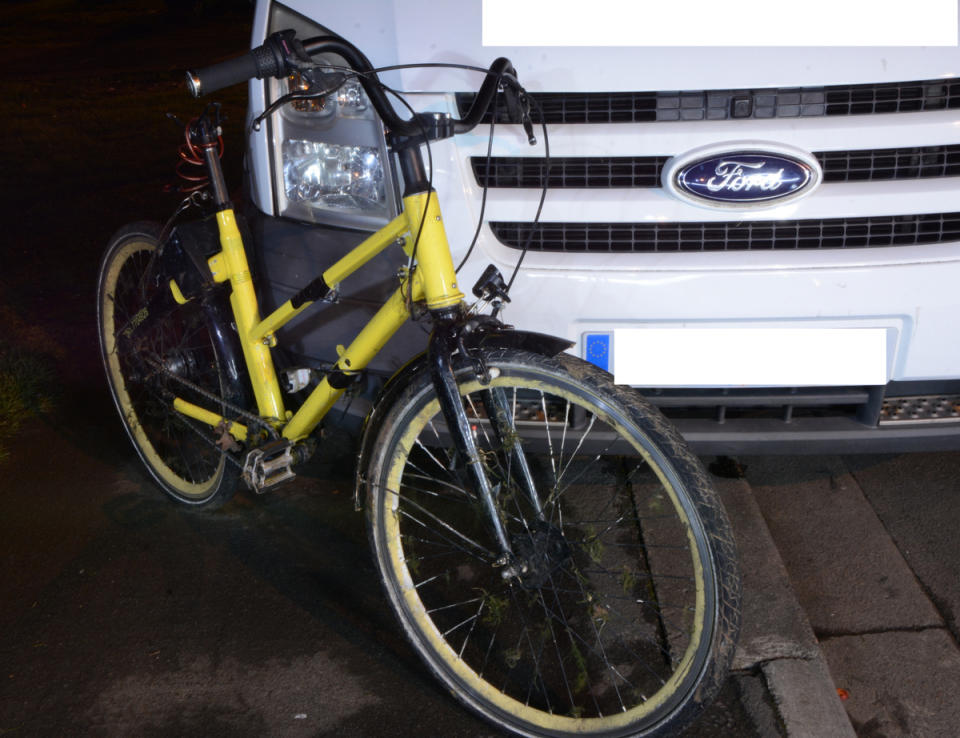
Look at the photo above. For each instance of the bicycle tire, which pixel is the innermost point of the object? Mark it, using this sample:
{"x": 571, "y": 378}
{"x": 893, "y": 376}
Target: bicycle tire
{"x": 180, "y": 454}
{"x": 626, "y": 621}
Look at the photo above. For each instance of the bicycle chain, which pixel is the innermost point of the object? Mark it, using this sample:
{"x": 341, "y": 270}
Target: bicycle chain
{"x": 209, "y": 441}
{"x": 238, "y": 411}
{"x": 165, "y": 395}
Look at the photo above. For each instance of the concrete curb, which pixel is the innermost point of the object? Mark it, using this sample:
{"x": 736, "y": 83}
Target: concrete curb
{"x": 776, "y": 638}
{"x": 806, "y": 698}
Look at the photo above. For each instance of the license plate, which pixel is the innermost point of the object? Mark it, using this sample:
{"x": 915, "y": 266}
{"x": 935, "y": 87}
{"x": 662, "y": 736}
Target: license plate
{"x": 730, "y": 357}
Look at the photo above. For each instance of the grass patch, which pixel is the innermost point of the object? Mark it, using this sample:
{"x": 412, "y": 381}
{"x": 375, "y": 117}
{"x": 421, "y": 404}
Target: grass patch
{"x": 27, "y": 371}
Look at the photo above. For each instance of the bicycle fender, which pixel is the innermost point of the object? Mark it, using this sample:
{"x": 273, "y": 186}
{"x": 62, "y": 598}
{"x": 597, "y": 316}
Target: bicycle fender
{"x": 183, "y": 259}
{"x": 536, "y": 343}
{"x": 497, "y": 338}
{"x": 227, "y": 344}
{"x": 184, "y": 253}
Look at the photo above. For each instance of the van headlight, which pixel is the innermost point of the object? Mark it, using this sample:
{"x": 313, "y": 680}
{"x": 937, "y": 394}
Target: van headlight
{"x": 329, "y": 176}
{"x": 330, "y": 160}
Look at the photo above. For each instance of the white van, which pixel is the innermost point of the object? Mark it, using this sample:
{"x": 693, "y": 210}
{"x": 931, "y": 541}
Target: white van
{"x": 765, "y": 240}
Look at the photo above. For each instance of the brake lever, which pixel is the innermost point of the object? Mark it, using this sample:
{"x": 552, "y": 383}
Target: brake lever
{"x": 296, "y": 60}
{"x": 525, "y": 118}
{"x": 331, "y": 83}
{"x": 518, "y": 106}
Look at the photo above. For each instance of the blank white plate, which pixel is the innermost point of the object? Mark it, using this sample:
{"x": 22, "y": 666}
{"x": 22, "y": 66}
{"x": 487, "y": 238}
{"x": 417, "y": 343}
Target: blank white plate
{"x": 720, "y": 357}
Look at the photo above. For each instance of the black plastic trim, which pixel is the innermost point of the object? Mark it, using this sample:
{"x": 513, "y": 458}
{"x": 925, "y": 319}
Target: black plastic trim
{"x": 759, "y": 103}
{"x": 735, "y": 235}
{"x": 644, "y": 172}
{"x": 815, "y": 436}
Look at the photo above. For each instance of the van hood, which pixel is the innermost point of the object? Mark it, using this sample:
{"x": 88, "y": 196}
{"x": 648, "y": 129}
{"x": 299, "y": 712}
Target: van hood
{"x": 411, "y": 31}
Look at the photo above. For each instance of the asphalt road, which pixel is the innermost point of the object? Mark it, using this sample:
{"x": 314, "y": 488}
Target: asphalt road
{"x": 125, "y": 614}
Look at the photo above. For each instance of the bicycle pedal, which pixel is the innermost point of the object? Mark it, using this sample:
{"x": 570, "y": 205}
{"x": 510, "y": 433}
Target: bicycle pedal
{"x": 270, "y": 465}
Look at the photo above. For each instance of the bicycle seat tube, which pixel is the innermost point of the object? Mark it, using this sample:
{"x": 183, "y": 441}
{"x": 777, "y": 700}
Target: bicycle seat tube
{"x": 231, "y": 264}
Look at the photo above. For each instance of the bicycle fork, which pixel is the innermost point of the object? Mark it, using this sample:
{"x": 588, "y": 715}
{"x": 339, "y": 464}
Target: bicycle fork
{"x": 441, "y": 348}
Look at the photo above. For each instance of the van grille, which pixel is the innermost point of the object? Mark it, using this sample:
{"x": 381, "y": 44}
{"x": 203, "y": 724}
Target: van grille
{"x": 644, "y": 171}
{"x": 832, "y": 233}
{"x": 906, "y": 163}
{"x": 787, "y": 102}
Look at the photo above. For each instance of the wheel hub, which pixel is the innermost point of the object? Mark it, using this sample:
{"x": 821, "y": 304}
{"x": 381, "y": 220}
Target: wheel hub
{"x": 539, "y": 552}
{"x": 179, "y": 364}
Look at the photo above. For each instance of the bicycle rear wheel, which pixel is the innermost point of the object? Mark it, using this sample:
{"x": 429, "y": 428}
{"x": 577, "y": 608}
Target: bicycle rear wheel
{"x": 144, "y": 374}
{"x": 625, "y": 619}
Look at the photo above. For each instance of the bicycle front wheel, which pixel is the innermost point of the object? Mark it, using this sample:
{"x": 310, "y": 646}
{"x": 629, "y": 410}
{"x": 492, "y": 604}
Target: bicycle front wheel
{"x": 174, "y": 358}
{"x": 624, "y": 619}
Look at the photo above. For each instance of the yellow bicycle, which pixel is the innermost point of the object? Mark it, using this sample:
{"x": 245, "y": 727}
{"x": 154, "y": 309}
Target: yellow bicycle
{"x": 553, "y": 550}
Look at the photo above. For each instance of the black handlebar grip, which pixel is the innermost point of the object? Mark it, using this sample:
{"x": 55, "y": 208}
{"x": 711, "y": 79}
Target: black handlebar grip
{"x": 225, "y": 74}
{"x": 268, "y": 60}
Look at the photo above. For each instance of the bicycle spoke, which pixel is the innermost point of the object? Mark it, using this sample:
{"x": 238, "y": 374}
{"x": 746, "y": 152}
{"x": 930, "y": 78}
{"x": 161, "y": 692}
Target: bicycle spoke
{"x": 432, "y": 457}
{"x": 473, "y": 624}
{"x": 557, "y": 493}
{"x": 677, "y": 631}
{"x": 422, "y": 474}
{"x": 573, "y": 454}
{"x": 570, "y": 634}
{"x": 525, "y": 635}
{"x": 446, "y": 526}
{"x": 546, "y": 426}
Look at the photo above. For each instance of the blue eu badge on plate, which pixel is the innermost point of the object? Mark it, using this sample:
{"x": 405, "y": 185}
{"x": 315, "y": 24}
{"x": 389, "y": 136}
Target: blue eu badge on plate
{"x": 596, "y": 349}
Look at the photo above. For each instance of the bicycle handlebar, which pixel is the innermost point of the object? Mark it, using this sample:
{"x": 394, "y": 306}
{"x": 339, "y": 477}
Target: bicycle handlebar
{"x": 279, "y": 57}
{"x": 500, "y": 68}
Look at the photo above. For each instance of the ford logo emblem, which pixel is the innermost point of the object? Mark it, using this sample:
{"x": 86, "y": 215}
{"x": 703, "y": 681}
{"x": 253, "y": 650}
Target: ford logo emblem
{"x": 742, "y": 175}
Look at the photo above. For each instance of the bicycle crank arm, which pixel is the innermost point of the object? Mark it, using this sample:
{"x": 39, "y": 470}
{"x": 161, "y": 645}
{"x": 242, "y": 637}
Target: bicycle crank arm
{"x": 440, "y": 350}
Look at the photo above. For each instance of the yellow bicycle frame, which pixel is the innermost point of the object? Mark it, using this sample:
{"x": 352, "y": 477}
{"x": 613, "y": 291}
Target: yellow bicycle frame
{"x": 434, "y": 282}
